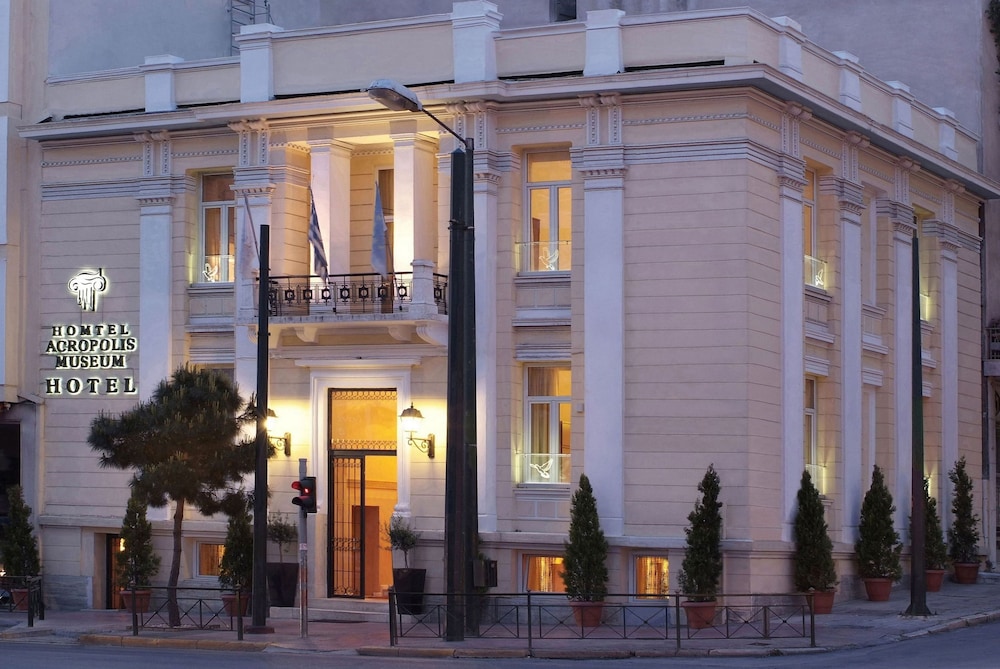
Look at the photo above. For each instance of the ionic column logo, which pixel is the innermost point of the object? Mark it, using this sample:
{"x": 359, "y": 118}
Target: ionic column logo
{"x": 87, "y": 285}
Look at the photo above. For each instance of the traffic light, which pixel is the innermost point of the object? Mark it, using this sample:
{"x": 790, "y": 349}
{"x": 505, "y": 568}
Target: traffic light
{"x": 307, "y": 493}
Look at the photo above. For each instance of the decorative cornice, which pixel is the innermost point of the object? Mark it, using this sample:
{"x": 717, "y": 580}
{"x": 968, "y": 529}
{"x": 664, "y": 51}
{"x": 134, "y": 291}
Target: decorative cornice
{"x": 894, "y": 210}
{"x": 849, "y": 194}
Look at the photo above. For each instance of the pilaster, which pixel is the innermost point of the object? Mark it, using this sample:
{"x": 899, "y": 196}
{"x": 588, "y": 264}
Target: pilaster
{"x": 604, "y": 43}
{"x": 791, "y": 182}
{"x": 474, "y": 25}
{"x": 603, "y": 170}
{"x": 330, "y": 166}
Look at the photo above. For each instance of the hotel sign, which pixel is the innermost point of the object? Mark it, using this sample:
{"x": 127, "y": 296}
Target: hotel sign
{"x": 85, "y": 353}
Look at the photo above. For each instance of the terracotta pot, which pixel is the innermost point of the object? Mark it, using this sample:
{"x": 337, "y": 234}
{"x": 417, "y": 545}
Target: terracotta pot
{"x": 822, "y": 601}
{"x": 230, "y": 606}
{"x": 20, "y": 596}
{"x": 141, "y": 604}
{"x": 587, "y": 614}
{"x": 966, "y": 573}
{"x": 699, "y": 614}
{"x": 878, "y": 589}
{"x": 933, "y": 579}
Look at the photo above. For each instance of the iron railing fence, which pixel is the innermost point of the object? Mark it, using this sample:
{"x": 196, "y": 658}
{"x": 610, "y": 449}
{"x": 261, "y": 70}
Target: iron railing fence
{"x": 536, "y": 617}
{"x": 197, "y": 609}
{"x": 304, "y": 295}
{"x": 22, "y": 593}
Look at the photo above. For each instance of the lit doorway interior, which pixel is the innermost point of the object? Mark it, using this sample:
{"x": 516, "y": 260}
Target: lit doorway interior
{"x": 362, "y": 489}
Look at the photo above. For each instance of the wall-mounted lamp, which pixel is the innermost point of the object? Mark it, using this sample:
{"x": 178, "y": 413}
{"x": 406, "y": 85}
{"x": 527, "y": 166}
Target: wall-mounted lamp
{"x": 412, "y": 419}
{"x": 282, "y": 441}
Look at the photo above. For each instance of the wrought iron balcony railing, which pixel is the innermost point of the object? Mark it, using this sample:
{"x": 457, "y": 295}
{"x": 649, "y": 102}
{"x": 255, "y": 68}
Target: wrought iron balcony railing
{"x": 371, "y": 293}
{"x": 993, "y": 342}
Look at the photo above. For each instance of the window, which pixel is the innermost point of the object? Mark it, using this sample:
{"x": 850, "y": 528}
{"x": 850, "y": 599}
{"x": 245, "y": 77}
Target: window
{"x": 217, "y": 230}
{"x": 815, "y": 269}
{"x": 652, "y": 576}
{"x": 546, "y": 451}
{"x": 809, "y": 438}
{"x": 543, "y": 573}
{"x": 209, "y": 558}
{"x": 547, "y": 234}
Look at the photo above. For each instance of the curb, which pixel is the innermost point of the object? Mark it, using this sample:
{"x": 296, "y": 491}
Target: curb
{"x": 149, "y": 642}
{"x": 18, "y": 632}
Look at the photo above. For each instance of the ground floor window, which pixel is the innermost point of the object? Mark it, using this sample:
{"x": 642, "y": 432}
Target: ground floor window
{"x": 652, "y": 576}
{"x": 543, "y": 573}
{"x": 209, "y": 558}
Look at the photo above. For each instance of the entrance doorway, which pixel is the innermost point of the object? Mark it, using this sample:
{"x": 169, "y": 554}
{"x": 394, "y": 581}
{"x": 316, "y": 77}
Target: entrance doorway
{"x": 362, "y": 485}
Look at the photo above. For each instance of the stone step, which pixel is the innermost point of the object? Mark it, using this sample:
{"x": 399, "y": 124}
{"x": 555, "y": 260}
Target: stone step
{"x": 338, "y": 610}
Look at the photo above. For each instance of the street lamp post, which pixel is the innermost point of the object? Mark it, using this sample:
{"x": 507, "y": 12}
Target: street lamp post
{"x": 461, "y": 514}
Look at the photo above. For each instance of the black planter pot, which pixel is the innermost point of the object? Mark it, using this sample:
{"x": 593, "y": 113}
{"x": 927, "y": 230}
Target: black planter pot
{"x": 409, "y": 587}
{"x": 282, "y": 583}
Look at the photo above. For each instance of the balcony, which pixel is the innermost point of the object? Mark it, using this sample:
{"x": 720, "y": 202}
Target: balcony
{"x": 405, "y": 305}
{"x": 815, "y": 273}
{"x": 552, "y": 256}
{"x": 991, "y": 351}
{"x": 402, "y": 293}
{"x": 545, "y": 467}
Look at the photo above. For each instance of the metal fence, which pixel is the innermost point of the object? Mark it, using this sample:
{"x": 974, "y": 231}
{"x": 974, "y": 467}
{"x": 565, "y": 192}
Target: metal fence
{"x": 535, "y": 617}
{"x": 22, "y": 593}
{"x": 197, "y": 608}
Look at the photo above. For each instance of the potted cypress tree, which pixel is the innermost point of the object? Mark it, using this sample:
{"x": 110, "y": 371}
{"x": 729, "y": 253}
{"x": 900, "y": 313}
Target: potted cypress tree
{"x": 963, "y": 535}
{"x": 19, "y": 551}
{"x": 878, "y": 546}
{"x": 935, "y": 549}
{"x": 407, "y": 583}
{"x": 701, "y": 569}
{"x": 137, "y": 563}
{"x": 236, "y": 566}
{"x": 814, "y": 568}
{"x": 282, "y": 579}
{"x": 585, "y": 569}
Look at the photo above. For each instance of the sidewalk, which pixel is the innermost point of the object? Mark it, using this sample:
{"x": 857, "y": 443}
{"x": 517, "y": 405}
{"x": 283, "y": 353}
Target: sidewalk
{"x": 853, "y": 623}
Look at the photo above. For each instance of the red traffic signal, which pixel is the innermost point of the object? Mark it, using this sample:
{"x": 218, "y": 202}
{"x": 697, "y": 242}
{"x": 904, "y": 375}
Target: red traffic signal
{"x": 307, "y": 493}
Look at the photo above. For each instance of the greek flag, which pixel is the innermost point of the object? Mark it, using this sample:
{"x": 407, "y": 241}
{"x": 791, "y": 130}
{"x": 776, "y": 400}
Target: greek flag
{"x": 380, "y": 255}
{"x": 320, "y": 264}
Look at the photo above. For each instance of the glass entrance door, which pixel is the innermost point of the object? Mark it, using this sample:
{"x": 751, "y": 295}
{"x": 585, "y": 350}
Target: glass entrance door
{"x": 362, "y": 485}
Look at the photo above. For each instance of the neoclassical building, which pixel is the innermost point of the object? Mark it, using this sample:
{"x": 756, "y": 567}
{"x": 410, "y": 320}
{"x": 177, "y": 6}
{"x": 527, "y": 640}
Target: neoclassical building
{"x": 694, "y": 237}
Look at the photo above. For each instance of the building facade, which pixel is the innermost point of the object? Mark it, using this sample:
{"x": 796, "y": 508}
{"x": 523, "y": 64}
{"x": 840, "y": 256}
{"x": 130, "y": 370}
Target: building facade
{"x": 694, "y": 237}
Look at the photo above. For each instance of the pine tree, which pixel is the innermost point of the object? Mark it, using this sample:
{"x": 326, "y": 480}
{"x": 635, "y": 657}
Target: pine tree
{"x": 585, "y": 569}
{"x": 185, "y": 445}
{"x": 701, "y": 569}
{"x": 963, "y": 535}
{"x": 236, "y": 566}
{"x": 20, "y": 546}
{"x": 935, "y": 550}
{"x": 878, "y": 546}
{"x": 138, "y": 563}
{"x": 814, "y": 567}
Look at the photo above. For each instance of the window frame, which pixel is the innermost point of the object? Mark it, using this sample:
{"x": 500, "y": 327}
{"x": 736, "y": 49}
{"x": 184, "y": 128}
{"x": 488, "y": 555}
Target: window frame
{"x": 555, "y": 572}
{"x": 226, "y": 270}
{"x": 664, "y": 593}
{"x": 558, "y": 257}
{"x": 556, "y": 405}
